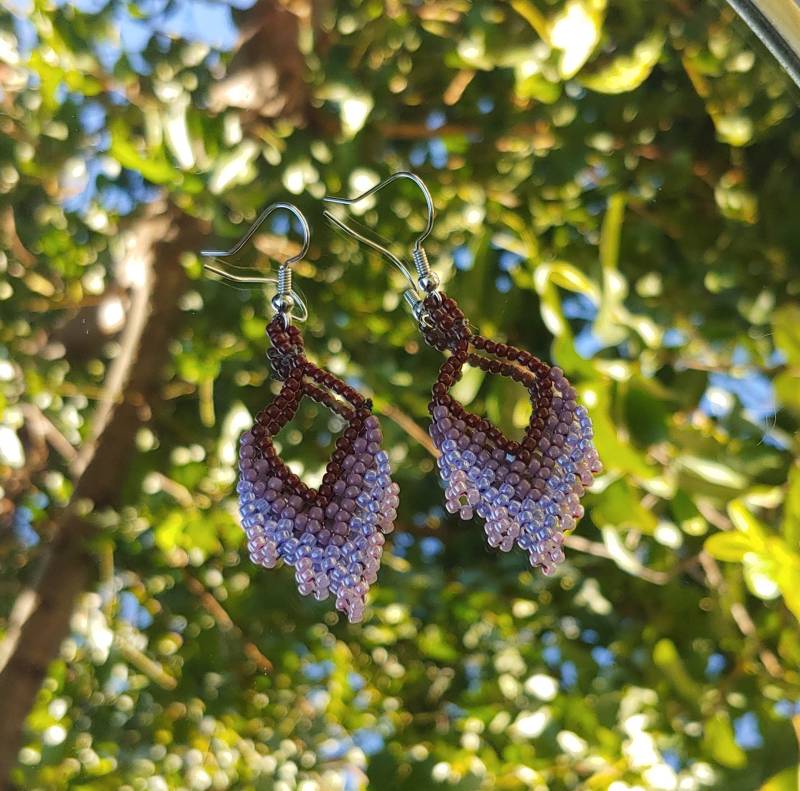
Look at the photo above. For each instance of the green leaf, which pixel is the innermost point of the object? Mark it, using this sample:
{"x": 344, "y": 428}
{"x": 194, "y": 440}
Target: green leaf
{"x": 619, "y": 506}
{"x": 746, "y": 523}
{"x": 626, "y": 72}
{"x": 575, "y": 31}
{"x": 735, "y": 129}
{"x": 234, "y": 167}
{"x": 790, "y": 526}
{"x": 176, "y": 132}
{"x": 538, "y": 21}
{"x": 786, "y": 564}
{"x": 466, "y": 388}
{"x": 787, "y": 780}
{"x": 620, "y": 554}
{"x": 566, "y": 276}
{"x": 536, "y": 86}
{"x": 714, "y": 472}
{"x": 168, "y": 534}
{"x": 616, "y": 453}
{"x": 434, "y": 644}
{"x": 730, "y": 546}
{"x": 201, "y": 534}
{"x": 687, "y": 515}
{"x": 787, "y": 393}
{"x": 721, "y": 744}
{"x": 786, "y": 328}
{"x": 611, "y": 234}
{"x": 153, "y": 166}
{"x": 760, "y": 576}
{"x": 735, "y": 201}
{"x": 669, "y": 662}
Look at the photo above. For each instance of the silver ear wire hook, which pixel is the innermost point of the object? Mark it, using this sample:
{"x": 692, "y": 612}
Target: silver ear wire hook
{"x": 427, "y": 281}
{"x": 285, "y": 298}
{"x": 374, "y": 245}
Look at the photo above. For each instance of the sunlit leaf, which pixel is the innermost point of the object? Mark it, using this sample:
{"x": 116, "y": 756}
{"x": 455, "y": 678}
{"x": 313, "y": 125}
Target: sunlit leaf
{"x": 466, "y": 388}
{"x": 728, "y": 546}
{"x": 626, "y": 72}
{"x": 786, "y": 780}
{"x": 152, "y": 165}
{"x": 791, "y": 509}
{"x": 576, "y": 31}
{"x": 760, "y": 576}
{"x": 714, "y": 472}
{"x": 744, "y": 521}
{"x": 719, "y": 740}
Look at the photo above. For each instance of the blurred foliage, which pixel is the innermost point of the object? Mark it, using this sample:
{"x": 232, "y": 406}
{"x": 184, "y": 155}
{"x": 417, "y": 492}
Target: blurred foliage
{"x": 616, "y": 187}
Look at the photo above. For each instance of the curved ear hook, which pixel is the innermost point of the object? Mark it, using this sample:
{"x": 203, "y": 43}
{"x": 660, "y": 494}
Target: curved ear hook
{"x": 271, "y": 209}
{"x": 402, "y": 174}
{"x": 285, "y": 298}
{"x": 375, "y": 246}
{"x": 427, "y": 281}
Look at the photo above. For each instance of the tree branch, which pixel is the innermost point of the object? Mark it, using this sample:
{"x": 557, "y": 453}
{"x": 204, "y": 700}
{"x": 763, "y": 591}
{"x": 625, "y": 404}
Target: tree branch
{"x": 225, "y": 622}
{"x": 40, "y": 618}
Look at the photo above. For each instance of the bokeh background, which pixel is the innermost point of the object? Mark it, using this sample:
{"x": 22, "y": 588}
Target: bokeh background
{"x": 617, "y": 191}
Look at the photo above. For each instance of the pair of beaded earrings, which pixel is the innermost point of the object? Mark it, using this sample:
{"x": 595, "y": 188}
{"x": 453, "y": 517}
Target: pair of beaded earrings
{"x": 527, "y": 493}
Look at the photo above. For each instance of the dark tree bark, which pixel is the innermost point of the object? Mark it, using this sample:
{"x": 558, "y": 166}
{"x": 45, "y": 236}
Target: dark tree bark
{"x": 266, "y": 80}
{"x": 41, "y": 615}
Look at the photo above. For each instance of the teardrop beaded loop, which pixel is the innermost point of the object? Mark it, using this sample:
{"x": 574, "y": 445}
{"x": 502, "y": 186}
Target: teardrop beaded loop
{"x": 528, "y": 492}
{"x": 333, "y": 536}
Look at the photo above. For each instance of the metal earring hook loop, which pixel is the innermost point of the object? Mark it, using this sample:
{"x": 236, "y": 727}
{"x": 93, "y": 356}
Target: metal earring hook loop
{"x": 402, "y": 174}
{"x": 403, "y": 269}
{"x": 285, "y": 298}
{"x": 298, "y": 300}
{"x": 271, "y": 209}
{"x": 427, "y": 282}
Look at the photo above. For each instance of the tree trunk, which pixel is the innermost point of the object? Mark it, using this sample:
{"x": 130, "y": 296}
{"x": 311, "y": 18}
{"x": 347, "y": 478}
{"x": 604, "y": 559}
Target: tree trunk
{"x": 271, "y": 69}
{"x": 42, "y": 612}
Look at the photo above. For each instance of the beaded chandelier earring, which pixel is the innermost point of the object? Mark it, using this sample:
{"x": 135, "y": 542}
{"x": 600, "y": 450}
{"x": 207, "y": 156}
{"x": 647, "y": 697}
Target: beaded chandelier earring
{"x": 527, "y": 492}
{"x": 332, "y": 536}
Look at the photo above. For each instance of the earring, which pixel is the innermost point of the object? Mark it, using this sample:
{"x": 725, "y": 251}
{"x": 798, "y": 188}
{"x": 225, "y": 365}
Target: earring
{"x": 332, "y": 536}
{"x": 528, "y": 492}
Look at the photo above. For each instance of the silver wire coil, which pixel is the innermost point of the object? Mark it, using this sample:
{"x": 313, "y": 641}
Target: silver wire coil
{"x": 420, "y": 258}
{"x": 284, "y": 281}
